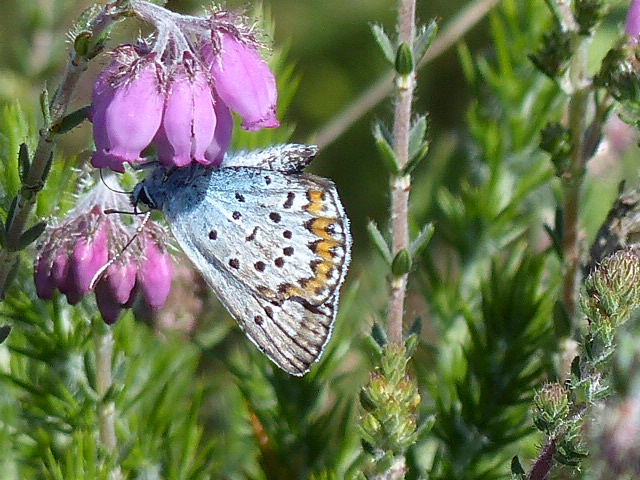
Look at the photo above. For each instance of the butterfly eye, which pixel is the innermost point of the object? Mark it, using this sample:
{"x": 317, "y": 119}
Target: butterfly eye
{"x": 141, "y": 195}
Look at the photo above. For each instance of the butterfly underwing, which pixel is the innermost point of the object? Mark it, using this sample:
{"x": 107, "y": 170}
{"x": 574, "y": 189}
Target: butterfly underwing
{"x": 272, "y": 242}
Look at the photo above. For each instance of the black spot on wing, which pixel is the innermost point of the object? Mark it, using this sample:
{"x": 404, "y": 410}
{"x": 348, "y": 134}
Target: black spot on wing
{"x": 275, "y": 217}
{"x": 288, "y": 203}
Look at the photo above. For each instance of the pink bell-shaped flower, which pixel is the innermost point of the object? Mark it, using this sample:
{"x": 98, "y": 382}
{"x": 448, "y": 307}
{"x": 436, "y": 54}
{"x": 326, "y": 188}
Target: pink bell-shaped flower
{"x": 189, "y": 119}
{"x": 89, "y": 255}
{"x": 108, "y": 306}
{"x": 44, "y": 268}
{"x": 243, "y": 81}
{"x": 121, "y": 278}
{"x": 126, "y": 111}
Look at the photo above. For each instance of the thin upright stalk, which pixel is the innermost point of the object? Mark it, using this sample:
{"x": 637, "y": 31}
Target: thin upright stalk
{"x": 573, "y": 181}
{"x": 106, "y": 409}
{"x": 401, "y": 183}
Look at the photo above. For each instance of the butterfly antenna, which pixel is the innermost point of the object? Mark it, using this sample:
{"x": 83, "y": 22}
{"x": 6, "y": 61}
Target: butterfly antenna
{"x": 112, "y": 189}
{"x": 100, "y": 273}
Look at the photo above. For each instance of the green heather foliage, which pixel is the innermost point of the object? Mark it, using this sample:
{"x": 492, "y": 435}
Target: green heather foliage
{"x": 521, "y": 349}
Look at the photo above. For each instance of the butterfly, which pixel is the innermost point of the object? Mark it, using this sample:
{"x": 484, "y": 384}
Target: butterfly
{"x": 272, "y": 242}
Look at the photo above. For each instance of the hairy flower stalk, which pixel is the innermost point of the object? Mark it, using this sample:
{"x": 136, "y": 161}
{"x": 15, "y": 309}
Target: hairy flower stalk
{"x": 390, "y": 400}
{"x": 401, "y": 183}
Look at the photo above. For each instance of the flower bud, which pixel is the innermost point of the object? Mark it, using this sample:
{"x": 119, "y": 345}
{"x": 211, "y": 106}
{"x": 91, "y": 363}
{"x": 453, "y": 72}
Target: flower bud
{"x": 551, "y": 408}
{"x": 613, "y": 288}
{"x": 404, "y": 60}
{"x": 401, "y": 263}
{"x": 108, "y": 306}
{"x": 155, "y": 273}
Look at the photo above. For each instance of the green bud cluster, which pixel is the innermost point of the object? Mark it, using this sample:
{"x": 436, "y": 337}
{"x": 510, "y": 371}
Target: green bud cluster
{"x": 555, "y": 415}
{"x": 620, "y": 74}
{"x": 554, "y": 55}
{"x": 614, "y": 301}
{"x": 588, "y": 14}
{"x": 389, "y": 401}
{"x": 551, "y": 405}
{"x": 612, "y": 292}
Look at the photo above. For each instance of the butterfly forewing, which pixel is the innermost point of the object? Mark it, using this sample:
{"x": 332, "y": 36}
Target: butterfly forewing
{"x": 274, "y": 247}
{"x": 286, "y": 158}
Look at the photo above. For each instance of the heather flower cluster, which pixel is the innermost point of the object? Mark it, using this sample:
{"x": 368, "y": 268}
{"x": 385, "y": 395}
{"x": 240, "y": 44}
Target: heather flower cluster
{"x": 176, "y": 94}
{"x": 78, "y": 253}
{"x": 168, "y": 99}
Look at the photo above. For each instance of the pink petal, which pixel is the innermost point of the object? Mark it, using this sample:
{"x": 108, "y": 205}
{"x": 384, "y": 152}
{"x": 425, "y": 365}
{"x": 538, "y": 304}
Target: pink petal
{"x": 221, "y": 136}
{"x": 89, "y": 255}
{"x": 188, "y": 120}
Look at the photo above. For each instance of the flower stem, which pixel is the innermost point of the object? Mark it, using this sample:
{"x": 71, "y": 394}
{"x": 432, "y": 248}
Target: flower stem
{"x": 103, "y": 340}
{"x": 572, "y": 182}
{"x": 584, "y": 139}
{"x": 36, "y": 176}
{"x": 544, "y": 462}
{"x": 401, "y": 182}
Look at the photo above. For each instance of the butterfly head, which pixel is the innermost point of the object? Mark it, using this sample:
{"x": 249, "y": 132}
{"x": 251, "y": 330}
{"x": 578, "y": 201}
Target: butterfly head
{"x": 142, "y": 196}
